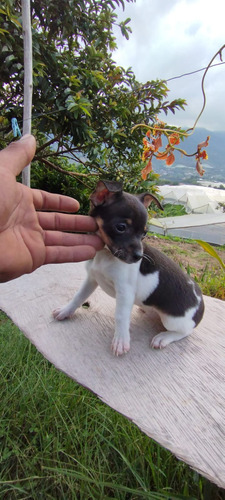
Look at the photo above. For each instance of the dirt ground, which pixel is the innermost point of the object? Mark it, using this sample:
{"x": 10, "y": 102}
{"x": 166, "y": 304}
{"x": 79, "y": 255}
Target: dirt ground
{"x": 188, "y": 255}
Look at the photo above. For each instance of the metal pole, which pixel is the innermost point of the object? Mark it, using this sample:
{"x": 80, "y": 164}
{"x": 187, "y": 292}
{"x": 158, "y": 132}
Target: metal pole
{"x": 28, "y": 78}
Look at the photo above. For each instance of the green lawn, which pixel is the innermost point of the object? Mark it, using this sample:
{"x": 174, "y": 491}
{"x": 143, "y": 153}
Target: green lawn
{"x": 59, "y": 441}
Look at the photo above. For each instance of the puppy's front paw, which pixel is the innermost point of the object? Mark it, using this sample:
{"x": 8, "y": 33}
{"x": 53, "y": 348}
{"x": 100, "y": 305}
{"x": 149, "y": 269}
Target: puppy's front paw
{"x": 62, "y": 313}
{"x": 120, "y": 346}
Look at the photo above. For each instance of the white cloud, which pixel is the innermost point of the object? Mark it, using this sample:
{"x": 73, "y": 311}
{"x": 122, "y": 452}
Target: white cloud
{"x": 174, "y": 37}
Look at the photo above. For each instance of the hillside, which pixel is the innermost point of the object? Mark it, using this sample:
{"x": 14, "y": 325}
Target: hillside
{"x": 183, "y": 170}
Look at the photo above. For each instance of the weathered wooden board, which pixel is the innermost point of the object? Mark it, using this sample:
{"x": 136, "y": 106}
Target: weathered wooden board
{"x": 176, "y": 396}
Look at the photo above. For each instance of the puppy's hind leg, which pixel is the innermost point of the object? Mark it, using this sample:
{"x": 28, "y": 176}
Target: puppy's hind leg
{"x": 79, "y": 298}
{"x": 177, "y": 328}
{"x": 165, "y": 338}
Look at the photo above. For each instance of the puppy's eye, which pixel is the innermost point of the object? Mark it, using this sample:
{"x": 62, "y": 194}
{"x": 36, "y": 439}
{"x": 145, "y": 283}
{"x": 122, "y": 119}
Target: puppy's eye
{"x": 143, "y": 235}
{"x": 121, "y": 227}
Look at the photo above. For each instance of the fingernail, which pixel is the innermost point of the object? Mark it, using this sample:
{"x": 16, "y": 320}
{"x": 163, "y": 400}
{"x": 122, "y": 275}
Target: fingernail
{"x": 24, "y": 137}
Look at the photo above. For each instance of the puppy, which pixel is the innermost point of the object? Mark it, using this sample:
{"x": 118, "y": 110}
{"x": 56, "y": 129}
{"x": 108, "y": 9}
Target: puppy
{"x": 134, "y": 272}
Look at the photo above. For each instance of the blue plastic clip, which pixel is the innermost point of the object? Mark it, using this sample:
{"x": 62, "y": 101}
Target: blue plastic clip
{"x": 15, "y": 128}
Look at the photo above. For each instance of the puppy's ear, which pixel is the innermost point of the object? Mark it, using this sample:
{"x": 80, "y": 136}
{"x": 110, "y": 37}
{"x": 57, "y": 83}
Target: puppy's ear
{"x": 106, "y": 191}
{"x": 147, "y": 199}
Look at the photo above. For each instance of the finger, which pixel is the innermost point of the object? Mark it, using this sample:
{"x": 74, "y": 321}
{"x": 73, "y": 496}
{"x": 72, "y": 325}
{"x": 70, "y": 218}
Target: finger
{"x": 51, "y": 201}
{"x": 56, "y": 238}
{"x": 67, "y": 222}
{"x": 57, "y": 254}
{"x": 18, "y": 154}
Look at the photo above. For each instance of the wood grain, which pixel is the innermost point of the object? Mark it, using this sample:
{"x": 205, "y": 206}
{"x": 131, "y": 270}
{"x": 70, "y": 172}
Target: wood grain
{"x": 176, "y": 395}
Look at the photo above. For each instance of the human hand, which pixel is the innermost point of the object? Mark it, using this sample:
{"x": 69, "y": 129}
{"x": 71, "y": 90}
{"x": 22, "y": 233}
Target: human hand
{"x": 30, "y": 238}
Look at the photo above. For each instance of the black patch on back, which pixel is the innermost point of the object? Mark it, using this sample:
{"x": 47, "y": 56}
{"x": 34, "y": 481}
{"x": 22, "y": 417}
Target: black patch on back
{"x": 174, "y": 294}
{"x": 199, "y": 313}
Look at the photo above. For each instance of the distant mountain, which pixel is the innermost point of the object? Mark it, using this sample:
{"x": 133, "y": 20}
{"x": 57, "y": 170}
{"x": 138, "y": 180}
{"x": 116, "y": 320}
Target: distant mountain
{"x": 183, "y": 170}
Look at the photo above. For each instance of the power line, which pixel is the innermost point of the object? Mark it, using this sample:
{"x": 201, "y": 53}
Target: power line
{"x": 37, "y": 115}
{"x": 193, "y": 72}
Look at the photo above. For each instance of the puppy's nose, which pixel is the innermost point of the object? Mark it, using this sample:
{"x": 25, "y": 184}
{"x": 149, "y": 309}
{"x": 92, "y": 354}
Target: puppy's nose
{"x": 137, "y": 256}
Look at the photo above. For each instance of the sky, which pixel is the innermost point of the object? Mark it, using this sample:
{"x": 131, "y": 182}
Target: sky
{"x": 172, "y": 37}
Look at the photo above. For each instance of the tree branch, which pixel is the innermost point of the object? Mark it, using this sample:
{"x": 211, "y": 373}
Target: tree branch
{"x": 61, "y": 170}
{"x": 46, "y": 144}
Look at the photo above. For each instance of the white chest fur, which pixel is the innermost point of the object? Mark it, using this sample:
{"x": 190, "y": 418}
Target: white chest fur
{"x": 115, "y": 276}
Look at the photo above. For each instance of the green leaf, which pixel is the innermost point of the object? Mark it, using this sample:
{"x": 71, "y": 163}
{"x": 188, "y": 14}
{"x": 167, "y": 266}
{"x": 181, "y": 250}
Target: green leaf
{"x": 15, "y": 21}
{"x": 209, "y": 249}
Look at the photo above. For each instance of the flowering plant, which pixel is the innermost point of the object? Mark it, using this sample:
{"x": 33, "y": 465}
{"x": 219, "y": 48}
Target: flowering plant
{"x": 152, "y": 142}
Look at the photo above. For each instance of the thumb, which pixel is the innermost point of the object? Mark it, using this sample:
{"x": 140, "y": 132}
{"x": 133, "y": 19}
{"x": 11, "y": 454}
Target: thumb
{"x": 18, "y": 154}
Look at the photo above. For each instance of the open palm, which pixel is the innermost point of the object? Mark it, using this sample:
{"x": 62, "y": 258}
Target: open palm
{"x": 31, "y": 235}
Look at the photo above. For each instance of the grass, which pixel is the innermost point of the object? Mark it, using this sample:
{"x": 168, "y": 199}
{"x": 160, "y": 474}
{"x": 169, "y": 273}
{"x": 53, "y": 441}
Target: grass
{"x": 201, "y": 266}
{"x": 211, "y": 284}
{"x": 59, "y": 441}
{"x": 171, "y": 210}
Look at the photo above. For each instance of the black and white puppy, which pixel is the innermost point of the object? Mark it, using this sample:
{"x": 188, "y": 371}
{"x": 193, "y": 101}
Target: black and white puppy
{"x": 134, "y": 272}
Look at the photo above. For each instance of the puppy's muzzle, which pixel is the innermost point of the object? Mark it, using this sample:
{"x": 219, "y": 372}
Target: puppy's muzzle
{"x": 130, "y": 257}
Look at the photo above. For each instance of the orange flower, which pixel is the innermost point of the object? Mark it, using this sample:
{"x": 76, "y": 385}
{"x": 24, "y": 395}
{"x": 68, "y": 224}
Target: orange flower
{"x": 174, "y": 139}
{"x": 162, "y": 156}
{"x": 199, "y": 168}
{"x": 157, "y": 143}
{"x": 146, "y": 170}
{"x": 158, "y": 127}
{"x": 152, "y": 143}
{"x": 148, "y": 151}
{"x": 202, "y": 154}
{"x": 167, "y": 155}
{"x": 204, "y": 144}
{"x": 145, "y": 155}
{"x": 170, "y": 159}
